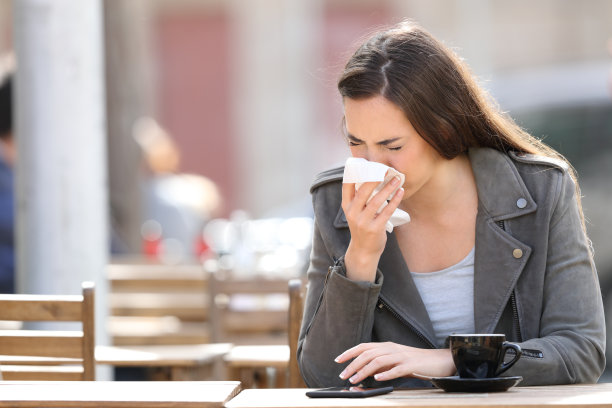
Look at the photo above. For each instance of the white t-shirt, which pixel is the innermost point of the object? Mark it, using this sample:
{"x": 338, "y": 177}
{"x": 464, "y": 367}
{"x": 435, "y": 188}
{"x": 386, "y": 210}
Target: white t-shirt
{"x": 448, "y": 296}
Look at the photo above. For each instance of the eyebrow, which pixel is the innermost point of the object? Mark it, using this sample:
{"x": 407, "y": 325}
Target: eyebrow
{"x": 385, "y": 142}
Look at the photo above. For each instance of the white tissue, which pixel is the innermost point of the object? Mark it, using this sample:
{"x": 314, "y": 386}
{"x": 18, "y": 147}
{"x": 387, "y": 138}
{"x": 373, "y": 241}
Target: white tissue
{"x": 359, "y": 171}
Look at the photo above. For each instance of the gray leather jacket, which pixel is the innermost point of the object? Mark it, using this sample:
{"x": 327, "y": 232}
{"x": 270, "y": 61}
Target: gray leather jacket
{"x": 534, "y": 279}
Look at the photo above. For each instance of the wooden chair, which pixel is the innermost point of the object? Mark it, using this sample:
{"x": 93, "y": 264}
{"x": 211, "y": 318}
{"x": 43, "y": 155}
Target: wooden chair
{"x": 251, "y": 313}
{"x": 271, "y": 364}
{"x": 157, "y": 304}
{"x": 297, "y": 291}
{"x": 248, "y": 311}
{"x": 41, "y": 354}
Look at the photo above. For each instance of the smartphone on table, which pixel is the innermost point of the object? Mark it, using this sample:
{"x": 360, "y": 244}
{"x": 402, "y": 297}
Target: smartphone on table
{"x": 347, "y": 392}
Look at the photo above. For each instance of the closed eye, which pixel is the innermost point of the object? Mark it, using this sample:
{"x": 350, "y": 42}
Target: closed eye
{"x": 354, "y": 141}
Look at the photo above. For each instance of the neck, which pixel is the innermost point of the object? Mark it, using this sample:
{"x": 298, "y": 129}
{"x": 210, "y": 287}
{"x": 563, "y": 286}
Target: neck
{"x": 451, "y": 189}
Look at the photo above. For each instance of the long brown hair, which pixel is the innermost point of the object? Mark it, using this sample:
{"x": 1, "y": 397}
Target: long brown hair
{"x": 437, "y": 93}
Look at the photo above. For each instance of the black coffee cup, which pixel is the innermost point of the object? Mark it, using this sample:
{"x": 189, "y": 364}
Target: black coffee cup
{"x": 482, "y": 355}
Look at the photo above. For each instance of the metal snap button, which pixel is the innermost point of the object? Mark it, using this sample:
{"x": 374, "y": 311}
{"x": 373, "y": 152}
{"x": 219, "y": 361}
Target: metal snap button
{"x": 517, "y": 253}
{"x": 521, "y": 203}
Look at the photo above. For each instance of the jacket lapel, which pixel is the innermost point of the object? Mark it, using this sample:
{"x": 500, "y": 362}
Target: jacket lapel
{"x": 499, "y": 257}
{"x": 496, "y": 272}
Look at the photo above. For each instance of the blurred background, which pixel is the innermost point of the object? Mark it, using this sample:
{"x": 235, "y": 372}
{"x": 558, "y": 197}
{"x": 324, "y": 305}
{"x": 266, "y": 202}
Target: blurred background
{"x": 217, "y": 114}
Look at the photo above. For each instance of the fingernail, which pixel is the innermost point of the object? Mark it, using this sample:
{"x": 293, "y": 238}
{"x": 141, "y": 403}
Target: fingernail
{"x": 377, "y": 377}
{"x": 343, "y": 375}
{"x": 353, "y": 379}
{"x": 337, "y": 359}
{"x": 395, "y": 180}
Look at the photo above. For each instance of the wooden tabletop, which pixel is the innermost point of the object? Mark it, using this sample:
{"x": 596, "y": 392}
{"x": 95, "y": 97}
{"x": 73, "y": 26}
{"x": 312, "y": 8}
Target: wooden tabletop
{"x": 164, "y": 355}
{"x": 595, "y": 395}
{"x": 156, "y": 330}
{"x": 120, "y": 394}
{"x": 258, "y": 356}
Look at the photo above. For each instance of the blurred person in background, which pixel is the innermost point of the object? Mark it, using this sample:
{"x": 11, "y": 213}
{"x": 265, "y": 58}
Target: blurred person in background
{"x": 176, "y": 205}
{"x": 496, "y": 241}
{"x": 7, "y": 161}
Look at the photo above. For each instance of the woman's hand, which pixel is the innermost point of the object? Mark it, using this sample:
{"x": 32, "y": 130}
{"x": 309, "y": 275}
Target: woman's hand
{"x": 386, "y": 361}
{"x": 368, "y": 233}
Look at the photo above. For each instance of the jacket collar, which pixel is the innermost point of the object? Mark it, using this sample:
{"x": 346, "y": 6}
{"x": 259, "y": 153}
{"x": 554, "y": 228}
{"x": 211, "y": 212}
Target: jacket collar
{"x": 500, "y": 187}
{"x": 501, "y": 192}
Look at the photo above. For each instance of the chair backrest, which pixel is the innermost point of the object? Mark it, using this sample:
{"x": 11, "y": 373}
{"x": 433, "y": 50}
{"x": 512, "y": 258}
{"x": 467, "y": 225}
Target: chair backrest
{"x": 41, "y": 354}
{"x": 155, "y": 304}
{"x": 247, "y": 310}
{"x": 297, "y": 291}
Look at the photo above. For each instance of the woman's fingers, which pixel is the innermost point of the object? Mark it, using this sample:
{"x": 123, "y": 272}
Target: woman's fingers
{"x": 386, "y": 361}
{"x": 374, "y": 363}
{"x": 382, "y": 197}
{"x": 364, "y": 192}
{"x": 393, "y": 204}
{"x": 358, "y": 201}
{"x": 363, "y": 355}
{"x": 393, "y": 372}
{"x": 354, "y": 201}
{"x": 348, "y": 354}
{"x": 354, "y": 351}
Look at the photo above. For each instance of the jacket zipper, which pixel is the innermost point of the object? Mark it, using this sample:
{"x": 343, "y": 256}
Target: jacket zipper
{"x": 515, "y": 317}
{"x": 382, "y": 304}
{"x": 321, "y": 296}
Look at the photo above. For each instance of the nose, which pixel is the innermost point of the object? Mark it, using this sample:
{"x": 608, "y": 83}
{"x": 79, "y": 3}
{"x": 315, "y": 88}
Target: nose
{"x": 376, "y": 157}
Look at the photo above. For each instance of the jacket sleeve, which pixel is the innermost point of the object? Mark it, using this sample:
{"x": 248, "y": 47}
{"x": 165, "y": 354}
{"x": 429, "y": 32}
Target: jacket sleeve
{"x": 339, "y": 314}
{"x": 572, "y": 326}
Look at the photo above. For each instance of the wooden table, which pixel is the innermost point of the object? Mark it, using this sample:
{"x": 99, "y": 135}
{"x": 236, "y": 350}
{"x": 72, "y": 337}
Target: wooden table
{"x": 111, "y": 394}
{"x": 595, "y": 395}
{"x": 169, "y": 362}
{"x": 247, "y": 364}
{"x": 156, "y": 330}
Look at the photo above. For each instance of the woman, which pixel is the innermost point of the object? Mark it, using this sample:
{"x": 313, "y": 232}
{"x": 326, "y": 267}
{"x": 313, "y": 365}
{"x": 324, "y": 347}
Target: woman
{"x": 496, "y": 241}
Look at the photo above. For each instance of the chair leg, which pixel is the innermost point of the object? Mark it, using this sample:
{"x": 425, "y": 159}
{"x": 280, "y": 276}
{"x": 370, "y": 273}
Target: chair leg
{"x": 261, "y": 378}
